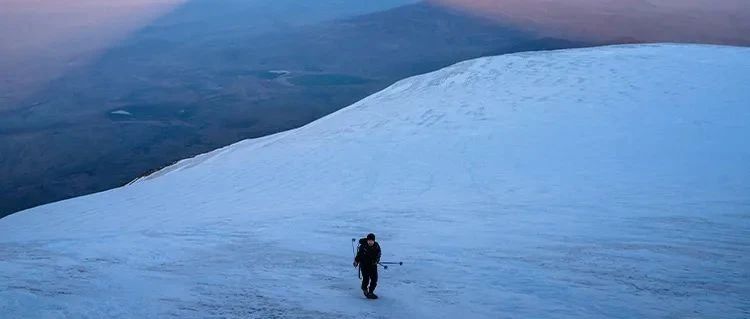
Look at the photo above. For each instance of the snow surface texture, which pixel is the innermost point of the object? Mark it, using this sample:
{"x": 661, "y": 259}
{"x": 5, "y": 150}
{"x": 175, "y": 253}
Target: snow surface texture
{"x": 606, "y": 182}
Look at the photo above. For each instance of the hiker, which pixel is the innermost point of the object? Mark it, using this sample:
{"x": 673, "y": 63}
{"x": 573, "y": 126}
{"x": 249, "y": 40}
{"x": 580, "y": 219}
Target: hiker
{"x": 367, "y": 258}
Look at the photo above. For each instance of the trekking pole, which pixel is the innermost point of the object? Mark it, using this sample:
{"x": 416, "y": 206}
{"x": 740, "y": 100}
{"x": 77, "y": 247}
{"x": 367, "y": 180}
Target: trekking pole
{"x": 359, "y": 274}
{"x": 400, "y": 263}
{"x": 386, "y": 263}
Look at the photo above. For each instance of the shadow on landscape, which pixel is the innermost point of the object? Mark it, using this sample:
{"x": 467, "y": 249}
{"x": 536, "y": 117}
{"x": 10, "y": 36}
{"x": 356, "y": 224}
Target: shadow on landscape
{"x": 179, "y": 88}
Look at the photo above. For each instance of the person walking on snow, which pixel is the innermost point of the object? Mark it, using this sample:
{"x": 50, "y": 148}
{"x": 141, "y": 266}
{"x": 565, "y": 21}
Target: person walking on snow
{"x": 367, "y": 258}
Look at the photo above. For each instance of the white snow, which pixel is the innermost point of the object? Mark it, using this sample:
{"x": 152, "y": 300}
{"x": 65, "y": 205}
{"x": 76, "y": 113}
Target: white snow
{"x": 280, "y": 72}
{"x": 608, "y": 182}
{"x": 121, "y": 112}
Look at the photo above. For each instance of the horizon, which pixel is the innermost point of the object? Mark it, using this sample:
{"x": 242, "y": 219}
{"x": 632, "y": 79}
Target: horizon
{"x": 42, "y": 40}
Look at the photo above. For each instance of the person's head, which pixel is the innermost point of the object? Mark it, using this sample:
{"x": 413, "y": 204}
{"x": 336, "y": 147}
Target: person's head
{"x": 371, "y": 239}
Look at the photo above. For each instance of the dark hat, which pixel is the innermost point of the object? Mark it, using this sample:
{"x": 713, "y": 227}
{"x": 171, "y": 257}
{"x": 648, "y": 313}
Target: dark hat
{"x": 370, "y": 236}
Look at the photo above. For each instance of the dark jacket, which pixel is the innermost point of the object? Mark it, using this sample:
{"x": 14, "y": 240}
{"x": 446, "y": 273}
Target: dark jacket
{"x": 367, "y": 255}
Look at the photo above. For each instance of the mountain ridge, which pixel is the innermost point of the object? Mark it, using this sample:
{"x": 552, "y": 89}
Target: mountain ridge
{"x": 580, "y": 183}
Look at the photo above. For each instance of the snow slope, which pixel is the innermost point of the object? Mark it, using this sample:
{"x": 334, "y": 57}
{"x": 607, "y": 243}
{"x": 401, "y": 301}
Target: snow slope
{"x": 606, "y": 182}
